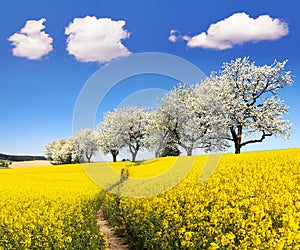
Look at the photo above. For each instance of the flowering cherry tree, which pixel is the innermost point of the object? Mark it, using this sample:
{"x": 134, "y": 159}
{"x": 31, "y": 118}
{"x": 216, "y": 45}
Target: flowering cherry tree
{"x": 85, "y": 144}
{"x": 59, "y": 151}
{"x": 249, "y": 97}
{"x": 124, "y": 127}
{"x": 203, "y": 104}
{"x": 157, "y": 135}
{"x": 108, "y": 140}
{"x": 178, "y": 121}
{"x": 132, "y": 123}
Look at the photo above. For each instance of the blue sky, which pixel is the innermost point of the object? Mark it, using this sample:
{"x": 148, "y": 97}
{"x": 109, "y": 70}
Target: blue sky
{"x": 38, "y": 94}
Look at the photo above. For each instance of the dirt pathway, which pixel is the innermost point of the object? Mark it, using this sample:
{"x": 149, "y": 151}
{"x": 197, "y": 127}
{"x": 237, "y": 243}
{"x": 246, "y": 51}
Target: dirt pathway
{"x": 113, "y": 242}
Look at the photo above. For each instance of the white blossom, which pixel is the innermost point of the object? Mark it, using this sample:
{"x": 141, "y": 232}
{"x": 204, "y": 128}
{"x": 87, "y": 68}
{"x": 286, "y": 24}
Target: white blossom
{"x": 249, "y": 97}
{"x": 178, "y": 121}
{"x": 108, "y": 140}
{"x": 124, "y": 127}
{"x": 59, "y": 151}
{"x": 85, "y": 144}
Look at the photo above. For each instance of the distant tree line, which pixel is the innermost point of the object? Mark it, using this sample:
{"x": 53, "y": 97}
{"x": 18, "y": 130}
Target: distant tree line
{"x": 6, "y": 157}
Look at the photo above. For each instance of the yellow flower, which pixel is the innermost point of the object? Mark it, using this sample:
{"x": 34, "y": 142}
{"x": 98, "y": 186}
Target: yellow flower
{"x": 68, "y": 239}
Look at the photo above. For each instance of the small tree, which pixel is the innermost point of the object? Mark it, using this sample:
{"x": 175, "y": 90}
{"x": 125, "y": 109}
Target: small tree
{"x": 203, "y": 103}
{"x": 4, "y": 164}
{"x": 123, "y": 127}
{"x": 108, "y": 140}
{"x": 85, "y": 144}
{"x": 181, "y": 123}
{"x": 130, "y": 128}
{"x": 170, "y": 150}
{"x": 249, "y": 97}
{"x": 157, "y": 135}
{"x": 59, "y": 151}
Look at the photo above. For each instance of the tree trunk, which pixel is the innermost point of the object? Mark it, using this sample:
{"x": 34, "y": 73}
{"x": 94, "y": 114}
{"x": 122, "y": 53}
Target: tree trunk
{"x": 157, "y": 154}
{"x": 238, "y": 140}
{"x": 237, "y": 148}
{"x": 88, "y": 157}
{"x": 189, "y": 151}
{"x": 69, "y": 161}
{"x": 134, "y": 150}
{"x": 114, "y": 154}
{"x": 134, "y": 156}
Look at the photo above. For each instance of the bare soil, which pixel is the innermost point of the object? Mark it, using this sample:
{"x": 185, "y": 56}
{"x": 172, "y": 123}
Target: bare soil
{"x": 27, "y": 164}
{"x": 113, "y": 242}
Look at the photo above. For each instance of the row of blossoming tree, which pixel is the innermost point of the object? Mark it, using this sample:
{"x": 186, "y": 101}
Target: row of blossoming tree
{"x": 239, "y": 104}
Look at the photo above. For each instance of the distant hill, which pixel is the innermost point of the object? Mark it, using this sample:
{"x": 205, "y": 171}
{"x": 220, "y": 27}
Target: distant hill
{"x": 21, "y": 157}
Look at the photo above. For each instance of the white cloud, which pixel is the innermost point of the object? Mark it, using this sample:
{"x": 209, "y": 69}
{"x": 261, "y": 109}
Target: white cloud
{"x": 238, "y": 29}
{"x": 96, "y": 40}
{"x": 31, "y": 42}
{"x": 174, "y": 36}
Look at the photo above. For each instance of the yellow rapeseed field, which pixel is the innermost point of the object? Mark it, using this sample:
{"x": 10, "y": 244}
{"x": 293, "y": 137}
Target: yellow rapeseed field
{"x": 48, "y": 208}
{"x": 252, "y": 201}
{"x": 149, "y": 168}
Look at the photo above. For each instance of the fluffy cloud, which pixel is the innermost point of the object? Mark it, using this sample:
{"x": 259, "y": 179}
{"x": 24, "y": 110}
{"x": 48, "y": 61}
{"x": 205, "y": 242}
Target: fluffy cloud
{"x": 174, "y": 36}
{"x": 96, "y": 40}
{"x": 238, "y": 29}
{"x": 31, "y": 42}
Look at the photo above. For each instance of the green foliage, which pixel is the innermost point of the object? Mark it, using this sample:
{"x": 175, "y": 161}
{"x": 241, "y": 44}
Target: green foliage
{"x": 4, "y": 164}
{"x": 76, "y": 160}
{"x": 170, "y": 150}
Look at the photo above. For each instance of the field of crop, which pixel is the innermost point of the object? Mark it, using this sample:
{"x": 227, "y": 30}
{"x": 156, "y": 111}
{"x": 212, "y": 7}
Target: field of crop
{"x": 252, "y": 201}
{"x": 48, "y": 208}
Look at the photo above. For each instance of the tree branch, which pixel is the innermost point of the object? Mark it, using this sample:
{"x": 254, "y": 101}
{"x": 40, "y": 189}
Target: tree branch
{"x": 264, "y": 135}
